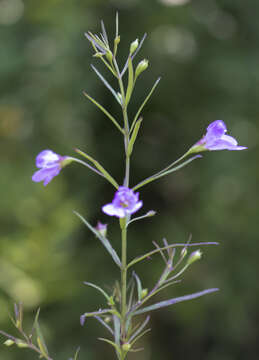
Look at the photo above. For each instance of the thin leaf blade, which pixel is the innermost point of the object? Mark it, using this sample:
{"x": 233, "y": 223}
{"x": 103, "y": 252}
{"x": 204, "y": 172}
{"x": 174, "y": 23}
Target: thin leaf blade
{"x": 103, "y": 240}
{"x": 173, "y": 301}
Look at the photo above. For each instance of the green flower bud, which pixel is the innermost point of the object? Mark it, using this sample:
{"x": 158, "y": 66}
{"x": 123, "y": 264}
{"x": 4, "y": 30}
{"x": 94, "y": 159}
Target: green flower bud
{"x": 183, "y": 252}
{"x": 141, "y": 67}
{"x": 109, "y": 55}
{"x": 9, "y": 342}
{"x": 126, "y": 347}
{"x": 21, "y": 344}
{"x": 196, "y": 255}
{"x": 144, "y": 293}
{"x": 133, "y": 46}
{"x": 117, "y": 40}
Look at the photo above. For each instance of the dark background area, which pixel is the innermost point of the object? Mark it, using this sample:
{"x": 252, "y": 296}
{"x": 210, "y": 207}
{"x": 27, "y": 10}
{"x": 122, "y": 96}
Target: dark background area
{"x": 207, "y": 53}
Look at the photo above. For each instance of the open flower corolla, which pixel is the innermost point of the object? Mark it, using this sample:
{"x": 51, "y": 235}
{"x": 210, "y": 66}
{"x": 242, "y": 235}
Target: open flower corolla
{"x": 49, "y": 164}
{"x": 125, "y": 202}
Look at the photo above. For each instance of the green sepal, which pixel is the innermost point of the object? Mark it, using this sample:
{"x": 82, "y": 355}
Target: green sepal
{"x": 134, "y": 136}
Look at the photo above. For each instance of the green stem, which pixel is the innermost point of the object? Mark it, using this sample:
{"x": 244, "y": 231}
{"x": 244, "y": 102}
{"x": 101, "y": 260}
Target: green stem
{"x": 123, "y": 278}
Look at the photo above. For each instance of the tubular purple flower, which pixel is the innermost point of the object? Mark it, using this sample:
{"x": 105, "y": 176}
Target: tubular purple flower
{"x": 215, "y": 139}
{"x": 49, "y": 164}
{"x": 125, "y": 202}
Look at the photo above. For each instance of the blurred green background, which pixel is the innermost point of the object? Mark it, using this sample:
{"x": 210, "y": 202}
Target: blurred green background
{"x": 207, "y": 53}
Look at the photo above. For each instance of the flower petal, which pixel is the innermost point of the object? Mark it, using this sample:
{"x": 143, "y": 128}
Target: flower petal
{"x": 46, "y": 174}
{"x": 47, "y": 158}
{"x": 216, "y": 129}
{"x": 112, "y": 210}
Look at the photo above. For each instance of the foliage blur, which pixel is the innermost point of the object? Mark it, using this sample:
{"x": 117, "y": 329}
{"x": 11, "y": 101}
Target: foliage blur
{"x": 207, "y": 54}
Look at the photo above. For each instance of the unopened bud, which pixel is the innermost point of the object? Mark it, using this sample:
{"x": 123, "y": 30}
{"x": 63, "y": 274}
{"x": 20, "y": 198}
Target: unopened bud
{"x": 107, "y": 319}
{"x": 109, "y": 55}
{"x": 21, "y": 344}
{"x": 126, "y": 347}
{"x": 111, "y": 301}
{"x": 9, "y": 342}
{"x": 117, "y": 40}
{"x": 183, "y": 252}
{"x": 144, "y": 293}
{"x": 196, "y": 255}
{"x": 133, "y": 46}
{"x": 141, "y": 67}
{"x": 101, "y": 228}
{"x": 151, "y": 213}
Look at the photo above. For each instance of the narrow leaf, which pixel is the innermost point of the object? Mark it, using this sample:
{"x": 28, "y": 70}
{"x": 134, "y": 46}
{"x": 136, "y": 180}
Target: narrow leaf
{"x": 117, "y": 327}
{"x": 40, "y": 338}
{"x": 76, "y": 354}
{"x": 144, "y": 103}
{"x": 104, "y": 33}
{"x": 111, "y": 343}
{"x": 99, "y": 167}
{"x": 134, "y": 136}
{"x": 174, "y": 301}
{"x": 150, "y": 253}
{"x": 99, "y": 289}
{"x": 139, "y": 285}
{"x": 104, "y": 324}
{"x": 139, "y": 329}
{"x": 103, "y": 240}
{"x": 104, "y": 111}
{"x": 105, "y": 82}
{"x": 155, "y": 177}
{"x": 130, "y": 81}
{"x": 42, "y": 348}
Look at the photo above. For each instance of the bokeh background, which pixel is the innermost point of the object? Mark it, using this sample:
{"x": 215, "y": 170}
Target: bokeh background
{"x": 207, "y": 52}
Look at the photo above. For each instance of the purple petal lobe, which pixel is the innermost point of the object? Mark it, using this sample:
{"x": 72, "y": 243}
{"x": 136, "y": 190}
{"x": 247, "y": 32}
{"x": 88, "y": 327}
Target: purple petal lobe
{"x": 125, "y": 202}
{"x": 216, "y": 139}
{"x": 49, "y": 164}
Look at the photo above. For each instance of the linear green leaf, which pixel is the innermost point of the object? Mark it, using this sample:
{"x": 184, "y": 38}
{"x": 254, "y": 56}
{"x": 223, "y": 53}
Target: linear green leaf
{"x": 134, "y": 136}
{"x": 99, "y": 167}
{"x": 99, "y": 289}
{"x": 105, "y": 82}
{"x": 174, "y": 301}
{"x": 104, "y": 111}
{"x": 103, "y": 240}
{"x": 155, "y": 177}
{"x": 130, "y": 81}
{"x": 144, "y": 103}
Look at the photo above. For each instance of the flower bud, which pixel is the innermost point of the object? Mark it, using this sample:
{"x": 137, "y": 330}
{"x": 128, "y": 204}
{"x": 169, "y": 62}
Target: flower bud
{"x": 142, "y": 66}
{"x": 126, "y": 347}
{"x": 133, "y": 46}
{"x": 144, "y": 293}
{"x": 109, "y": 55}
{"x": 9, "y": 342}
{"x": 196, "y": 255}
{"x": 117, "y": 40}
{"x": 183, "y": 252}
{"x": 151, "y": 213}
{"x": 101, "y": 228}
{"x": 21, "y": 344}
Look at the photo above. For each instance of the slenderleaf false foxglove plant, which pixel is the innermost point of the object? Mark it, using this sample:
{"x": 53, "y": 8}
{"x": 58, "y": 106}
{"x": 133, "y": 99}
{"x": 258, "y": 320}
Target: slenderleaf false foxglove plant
{"x": 128, "y": 298}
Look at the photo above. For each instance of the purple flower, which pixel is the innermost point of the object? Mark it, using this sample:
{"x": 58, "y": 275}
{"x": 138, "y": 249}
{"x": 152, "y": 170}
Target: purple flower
{"x": 49, "y": 164}
{"x": 215, "y": 139}
{"x": 125, "y": 202}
